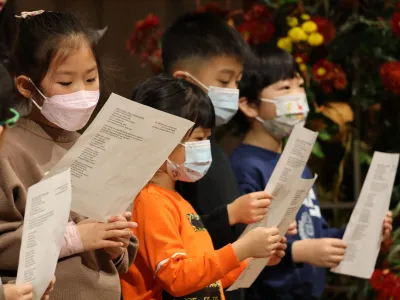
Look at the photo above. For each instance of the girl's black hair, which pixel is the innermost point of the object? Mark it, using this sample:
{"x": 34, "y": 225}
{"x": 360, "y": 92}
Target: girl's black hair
{"x": 6, "y": 88}
{"x": 264, "y": 65}
{"x": 8, "y": 29}
{"x": 43, "y": 37}
{"x": 177, "y": 97}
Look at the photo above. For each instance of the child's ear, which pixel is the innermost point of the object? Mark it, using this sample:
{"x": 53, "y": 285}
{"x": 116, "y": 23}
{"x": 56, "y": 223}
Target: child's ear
{"x": 249, "y": 109}
{"x": 181, "y": 75}
{"x": 24, "y": 86}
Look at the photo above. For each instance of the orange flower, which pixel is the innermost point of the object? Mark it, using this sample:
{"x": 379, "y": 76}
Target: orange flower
{"x": 390, "y": 74}
{"x": 325, "y": 28}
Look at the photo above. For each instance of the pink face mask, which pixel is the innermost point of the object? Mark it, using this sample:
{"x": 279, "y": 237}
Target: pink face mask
{"x": 70, "y": 111}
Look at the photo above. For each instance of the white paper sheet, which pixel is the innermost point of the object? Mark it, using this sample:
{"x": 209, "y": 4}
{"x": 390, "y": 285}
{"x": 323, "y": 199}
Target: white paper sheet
{"x": 288, "y": 190}
{"x": 289, "y": 168}
{"x": 286, "y": 214}
{"x": 364, "y": 232}
{"x": 46, "y": 217}
{"x": 118, "y": 154}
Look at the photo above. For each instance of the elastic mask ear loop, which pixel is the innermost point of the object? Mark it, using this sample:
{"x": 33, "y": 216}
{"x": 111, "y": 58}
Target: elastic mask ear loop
{"x": 267, "y": 100}
{"x": 41, "y": 94}
{"x": 195, "y": 79}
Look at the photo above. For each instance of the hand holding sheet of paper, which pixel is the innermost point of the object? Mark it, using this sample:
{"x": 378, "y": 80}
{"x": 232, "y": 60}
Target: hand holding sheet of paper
{"x": 363, "y": 234}
{"x": 288, "y": 190}
{"x": 125, "y": 137}
{"x": 46, "y": 216}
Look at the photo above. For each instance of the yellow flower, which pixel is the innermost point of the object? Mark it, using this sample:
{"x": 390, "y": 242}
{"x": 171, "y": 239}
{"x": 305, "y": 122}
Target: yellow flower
{"x": 305, "y": 17}
{"x": 285, "y": 44}
{"x": 309, "y": 27}
{"x": 302, "y": 67}
{"x": 292, "y": 21}
{"x": 299, "y": 60}
{"x": 297, "y": 34}
{"x": 321, "y": 71}
{"x": 315, "y": 39}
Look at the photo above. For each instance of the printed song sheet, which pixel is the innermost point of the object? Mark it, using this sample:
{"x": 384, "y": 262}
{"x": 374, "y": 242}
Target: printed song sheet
{"x": 288, "y": 190}
{"x": 46, "y": 217}
{"x": 289, "y": 169}
{"x": 118, "y": 154}
{"x": 285, "y": 216}
{"x": 364, "y": 231}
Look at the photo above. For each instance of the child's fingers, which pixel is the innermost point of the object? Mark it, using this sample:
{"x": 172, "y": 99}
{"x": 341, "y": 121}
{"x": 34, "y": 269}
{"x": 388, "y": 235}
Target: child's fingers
{"x": 260, "y": 212}
{"x": 127, "y": 215}
{"x": 261, "y": 195}
{"x": 262, "y": 203}
{"x": 26, "y": 289}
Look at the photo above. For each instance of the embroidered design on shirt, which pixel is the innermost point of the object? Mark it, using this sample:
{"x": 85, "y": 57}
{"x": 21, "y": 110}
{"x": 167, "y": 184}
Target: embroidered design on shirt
{"x": 211, "y": 292}
{"x": 314, "y": 209}
{"x": 306, "y": 226}
{"x": 196, "y": 222}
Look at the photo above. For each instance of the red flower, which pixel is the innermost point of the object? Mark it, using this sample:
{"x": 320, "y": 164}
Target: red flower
{"x": 323, "y": 70}
{"x": 395, "y": 24}
{"x": 340, "y": 79}
{"x": 326, "y": 28}
{"x": 257, "y": 26}
{"x": 301, "y": 58}
{"x": 214, "y": 8}
{"x": 386, "y": 284}
{"x": 150, "y": 22}
{"x": 329, "y": 75}
{"x": 257, "y": 12}
{"x": 255, "y": 32}
{"x": 390, "y": 74}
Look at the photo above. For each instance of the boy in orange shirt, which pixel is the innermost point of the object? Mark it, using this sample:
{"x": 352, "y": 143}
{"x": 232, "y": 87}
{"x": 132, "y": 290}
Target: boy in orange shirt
{"x": 176, "y": 258}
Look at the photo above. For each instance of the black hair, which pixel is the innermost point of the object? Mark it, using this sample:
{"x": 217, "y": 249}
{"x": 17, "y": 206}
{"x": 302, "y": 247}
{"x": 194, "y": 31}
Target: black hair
{"x": 45, "y": 36}
{"x": 6, "y": 88}
{"x": 202, "y": 36}
{"x": 8, "y": 29}
{"x": 266, "y": 64}
{"x": 178, "y": 97}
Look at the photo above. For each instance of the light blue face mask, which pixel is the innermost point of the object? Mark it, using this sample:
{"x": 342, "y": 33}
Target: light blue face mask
{"x": 197, "y": 162}
{"x": 224, "y": 100}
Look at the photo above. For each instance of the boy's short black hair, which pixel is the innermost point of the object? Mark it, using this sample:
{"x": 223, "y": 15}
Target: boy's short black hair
{"x": 6, "y": 94}
{"x": 178, "y": 97}
{"x": 201, "y": 36}
{"x": 266, "y": 64}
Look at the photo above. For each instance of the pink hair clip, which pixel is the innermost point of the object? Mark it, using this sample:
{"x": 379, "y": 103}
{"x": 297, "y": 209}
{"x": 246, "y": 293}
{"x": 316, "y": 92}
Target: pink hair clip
{"x": 25, "y": 14}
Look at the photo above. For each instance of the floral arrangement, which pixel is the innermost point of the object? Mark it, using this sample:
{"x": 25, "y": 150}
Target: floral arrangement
{"x": 146, "y": 40}
{"x": 304, "y": 35}
{"x": 385, "y": 280}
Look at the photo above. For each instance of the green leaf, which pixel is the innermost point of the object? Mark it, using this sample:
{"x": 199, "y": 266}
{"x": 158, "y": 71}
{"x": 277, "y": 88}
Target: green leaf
{"x": 283, "y": 2}
{"x": 365, "y": 158}
{"x": 394, "y": 254}
{"x": 317, "y": 150}
{"x": 323, "y": 135}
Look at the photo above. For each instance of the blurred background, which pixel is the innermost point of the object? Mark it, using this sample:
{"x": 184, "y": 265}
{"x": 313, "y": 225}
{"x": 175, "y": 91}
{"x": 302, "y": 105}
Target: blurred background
{"x": 348, "y": 52}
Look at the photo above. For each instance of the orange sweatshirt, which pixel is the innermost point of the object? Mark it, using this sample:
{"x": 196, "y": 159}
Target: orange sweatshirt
{"x": 176, "y": 257}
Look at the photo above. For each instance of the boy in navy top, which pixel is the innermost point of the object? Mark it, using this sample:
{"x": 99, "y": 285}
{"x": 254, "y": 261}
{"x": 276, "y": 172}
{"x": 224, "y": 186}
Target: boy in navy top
{"x": 271, "y": 89}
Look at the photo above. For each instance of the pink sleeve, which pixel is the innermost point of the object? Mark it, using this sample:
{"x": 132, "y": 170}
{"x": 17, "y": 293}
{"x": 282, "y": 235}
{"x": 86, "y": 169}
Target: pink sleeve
{"x": 71, "y": 243}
